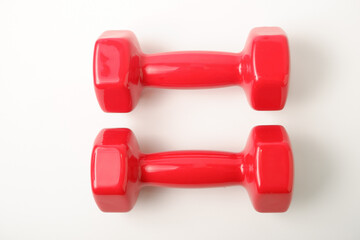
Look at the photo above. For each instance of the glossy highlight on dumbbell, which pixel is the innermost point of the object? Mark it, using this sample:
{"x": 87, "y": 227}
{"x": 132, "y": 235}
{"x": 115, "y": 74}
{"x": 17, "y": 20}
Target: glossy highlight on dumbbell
{"x": 121, "y": 69}
{"x": 265, "y": 168}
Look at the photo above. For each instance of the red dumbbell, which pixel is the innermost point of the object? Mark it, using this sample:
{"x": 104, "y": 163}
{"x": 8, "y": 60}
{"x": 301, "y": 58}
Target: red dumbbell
{"x": 264, "y": 168}
{"x": 121, "y": 69}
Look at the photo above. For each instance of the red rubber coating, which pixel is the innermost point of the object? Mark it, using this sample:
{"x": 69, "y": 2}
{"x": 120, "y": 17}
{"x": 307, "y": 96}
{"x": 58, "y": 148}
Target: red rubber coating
{"x": 186, "y": 69}
{"x": 121, "y": 69}
{"x": 265, "y": 168}
{"x": 155, "y": 168}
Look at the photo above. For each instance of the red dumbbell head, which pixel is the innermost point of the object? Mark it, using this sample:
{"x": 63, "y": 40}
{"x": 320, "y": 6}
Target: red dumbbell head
{"x": 265, "y": 68}
{"x": 270, "y": 173}
{"x": 116, "y": 71}
{"x": 115, "y": 170}
{"x": 265, "y": 168}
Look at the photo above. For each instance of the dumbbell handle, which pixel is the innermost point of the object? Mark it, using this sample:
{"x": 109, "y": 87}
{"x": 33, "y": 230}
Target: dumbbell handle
{"x": 191, "y": 69}
{"x": 192, "y": 169}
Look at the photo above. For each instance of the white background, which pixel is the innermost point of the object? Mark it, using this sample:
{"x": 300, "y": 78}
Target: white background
{"x": 49, "y": 118}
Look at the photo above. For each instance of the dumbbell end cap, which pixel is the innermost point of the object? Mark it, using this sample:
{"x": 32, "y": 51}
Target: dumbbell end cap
{"x": 270, "y": 178}
{"x": 114, "y": 169}
{"x": 266, "y": 68}
{"x": 116, "y": 71}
